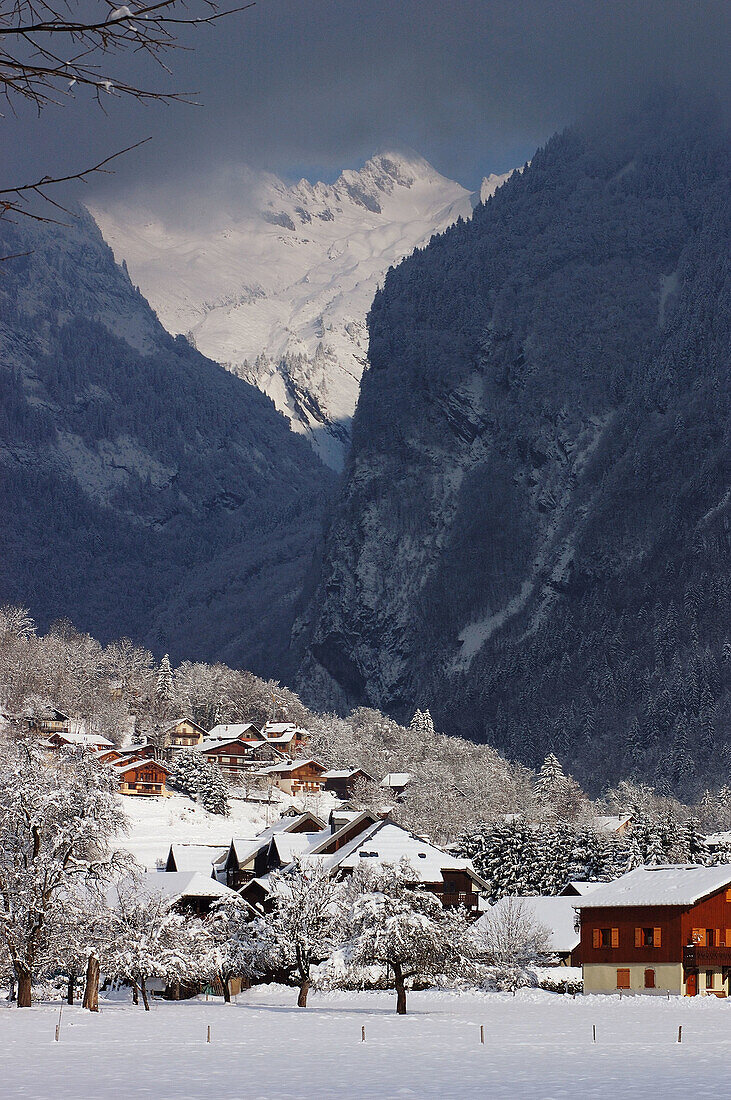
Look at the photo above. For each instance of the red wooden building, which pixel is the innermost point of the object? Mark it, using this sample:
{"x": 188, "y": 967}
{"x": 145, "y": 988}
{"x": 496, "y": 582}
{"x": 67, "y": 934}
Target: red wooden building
{"x": 664, "y": 928}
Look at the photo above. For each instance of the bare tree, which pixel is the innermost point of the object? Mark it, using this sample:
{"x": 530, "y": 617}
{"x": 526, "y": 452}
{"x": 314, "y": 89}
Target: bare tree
{"x": 53, "y": 50}
{"x": 510, "y": 936}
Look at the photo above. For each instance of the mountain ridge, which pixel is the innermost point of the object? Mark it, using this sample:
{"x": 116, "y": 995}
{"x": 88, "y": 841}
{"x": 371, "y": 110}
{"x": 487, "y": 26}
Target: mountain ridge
{"x": 275, "y": 280}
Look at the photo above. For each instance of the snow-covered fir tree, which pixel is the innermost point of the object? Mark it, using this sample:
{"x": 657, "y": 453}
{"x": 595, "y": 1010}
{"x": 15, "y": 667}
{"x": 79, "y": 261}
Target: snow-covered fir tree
{"x": 197, "y": 777}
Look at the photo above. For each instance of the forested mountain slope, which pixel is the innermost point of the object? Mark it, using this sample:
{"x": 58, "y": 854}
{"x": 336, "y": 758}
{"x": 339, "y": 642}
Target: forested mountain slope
{"x": 533, "y": 538}
{"x": 143, "y": 489}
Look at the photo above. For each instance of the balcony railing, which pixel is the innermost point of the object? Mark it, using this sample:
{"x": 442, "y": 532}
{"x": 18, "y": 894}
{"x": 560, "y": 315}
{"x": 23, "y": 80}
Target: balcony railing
{"x": 696, "y": 955}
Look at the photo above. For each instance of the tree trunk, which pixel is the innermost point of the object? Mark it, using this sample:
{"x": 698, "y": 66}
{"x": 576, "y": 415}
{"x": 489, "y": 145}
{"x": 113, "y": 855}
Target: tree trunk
{"x": 143, "y": 991}
{"x": 70, "y": 989}
{"x": 91, "y": 987}
{"x": 226, "y": 990}
{"x": 304, "y": 990}
{"x": 24, "y": 988}
{"x": 398, "y": 978}
{"x": 135, "y": 995}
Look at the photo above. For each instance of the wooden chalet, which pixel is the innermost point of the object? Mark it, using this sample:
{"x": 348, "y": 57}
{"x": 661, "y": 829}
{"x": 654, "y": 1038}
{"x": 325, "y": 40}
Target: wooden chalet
{"x": 296, "y": 777}
{"x": 231, "y": 756}
{"x": 287, "y": 737}
{"x": 184, "y": 734}
{"x": 201, "y": 858}
{"x": 142, "y": 777}
{"x": 239, "y": 865}
{"x": 228, "y": 731}
{"x": 395, "y": 784}
{"x": 665, "y": 928}
{"x": 79, "y": 737}
{"x": 342, "y": 782}
{"x": 360, "y": 839}
{"x": 48, "y": 721}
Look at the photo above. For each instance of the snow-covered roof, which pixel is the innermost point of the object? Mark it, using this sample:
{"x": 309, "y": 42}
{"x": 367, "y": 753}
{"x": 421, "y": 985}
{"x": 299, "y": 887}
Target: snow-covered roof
{"x": 196, "y": 857}
{"x": 184, "y": 884}
{"x": 396, "y": 779}
{"x": 665, "y": 884}
{"x": 229, "y": 731}
{"x": 555, "y": 913}
{"x": 221, "y": 743}
{"x": 612, "y": 823}
{"x": 123, "y": 766}
{"x": 347, "y": 773}
{"x": 291, "y": 845}
{"x": 289, "y": 766}
{"x": 580, "y": 887}
{"x": 78, "y": 737}
{"x": 385, "y": 842}
{"x": 245, "y": 848}
{"x": 281, "y": 727}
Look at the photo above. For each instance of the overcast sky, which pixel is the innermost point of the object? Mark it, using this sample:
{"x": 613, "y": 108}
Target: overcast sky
{"x": 305, "y": 87}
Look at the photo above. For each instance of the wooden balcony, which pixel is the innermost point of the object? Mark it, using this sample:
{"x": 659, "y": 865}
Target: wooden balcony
{"x": 696, "y": 956}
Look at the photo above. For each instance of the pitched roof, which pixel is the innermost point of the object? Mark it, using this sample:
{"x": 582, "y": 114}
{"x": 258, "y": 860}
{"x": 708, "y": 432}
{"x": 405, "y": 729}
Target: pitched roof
{"x": 578, "y": 888}
{"x": 123, "y": 766}
{"x": 610, "y": 824}
{"x": 232, "y": 730}
{"x": 666, "y": 884}
{"x": 196, "y": 857}
{"x": 184, "y": 884}
{"x": 344, "y": 773}
{"x": 290, "y": 766}
{"x": 557, "y": 914}
{"x": 396, "y": 779}
{"x": 386, "y": 842}
{"x": 80, "y": 738}
{"x": 211, "y": 743}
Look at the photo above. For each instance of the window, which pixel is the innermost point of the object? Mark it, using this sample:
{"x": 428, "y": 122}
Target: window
{"x": 648, "y": 937}
{"x": 710, "y": 938}
{"x": 710, "y": 979}
{"x": 649, "y": 979}
{"x": 623, "y": 978}
{"x": 605, "y": 937}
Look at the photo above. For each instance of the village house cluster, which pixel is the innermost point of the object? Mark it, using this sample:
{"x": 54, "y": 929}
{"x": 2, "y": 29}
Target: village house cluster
{"x": 663, "y": 929}
{"x": 271, "y": 755}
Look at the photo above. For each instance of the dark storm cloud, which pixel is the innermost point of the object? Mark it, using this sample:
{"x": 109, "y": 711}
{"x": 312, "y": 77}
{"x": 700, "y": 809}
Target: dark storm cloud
{"x": 300, "y": 85}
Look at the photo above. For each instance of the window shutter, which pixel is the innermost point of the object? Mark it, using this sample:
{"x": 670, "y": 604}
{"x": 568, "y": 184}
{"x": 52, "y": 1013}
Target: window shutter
{"x": 656, "y": 937}
{"x": 638, "y": 937}
{"x": 728, "y": 937}
{"x": 615, "y": 937}
{"x": 597, "y": 937}
{"x": 718, "y": 937}
{"x": 699, "y": 936}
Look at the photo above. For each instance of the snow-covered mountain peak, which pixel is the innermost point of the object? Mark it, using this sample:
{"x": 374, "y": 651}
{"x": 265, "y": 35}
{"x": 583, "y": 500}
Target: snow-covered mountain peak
{"x": 275, "y": 280}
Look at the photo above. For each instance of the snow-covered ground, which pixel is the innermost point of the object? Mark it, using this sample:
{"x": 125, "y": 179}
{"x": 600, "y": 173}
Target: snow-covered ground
{"x": 254, "y": 268}
{"x": 263, "y": 1048}
{"x": 156, "y": 823}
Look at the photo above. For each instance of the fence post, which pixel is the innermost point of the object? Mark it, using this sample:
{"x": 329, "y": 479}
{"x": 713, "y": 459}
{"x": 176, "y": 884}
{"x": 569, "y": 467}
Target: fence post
{"x": 680, "y": 1033}
{"x": 482, "y": 1033}
{"x": 593, "y": 1033}
{"x": 58, "y": 1025}
{"x": 208, "y": 1037}
{"x": 362, "y": 1034}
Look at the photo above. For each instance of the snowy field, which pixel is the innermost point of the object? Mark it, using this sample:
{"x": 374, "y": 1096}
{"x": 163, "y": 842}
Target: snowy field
{"x": 262, "y": 1048}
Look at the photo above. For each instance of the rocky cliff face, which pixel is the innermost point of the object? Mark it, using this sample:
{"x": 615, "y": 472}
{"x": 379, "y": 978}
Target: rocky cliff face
{"x": 533, "y": 536}
{"x": 143, "y": 489}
